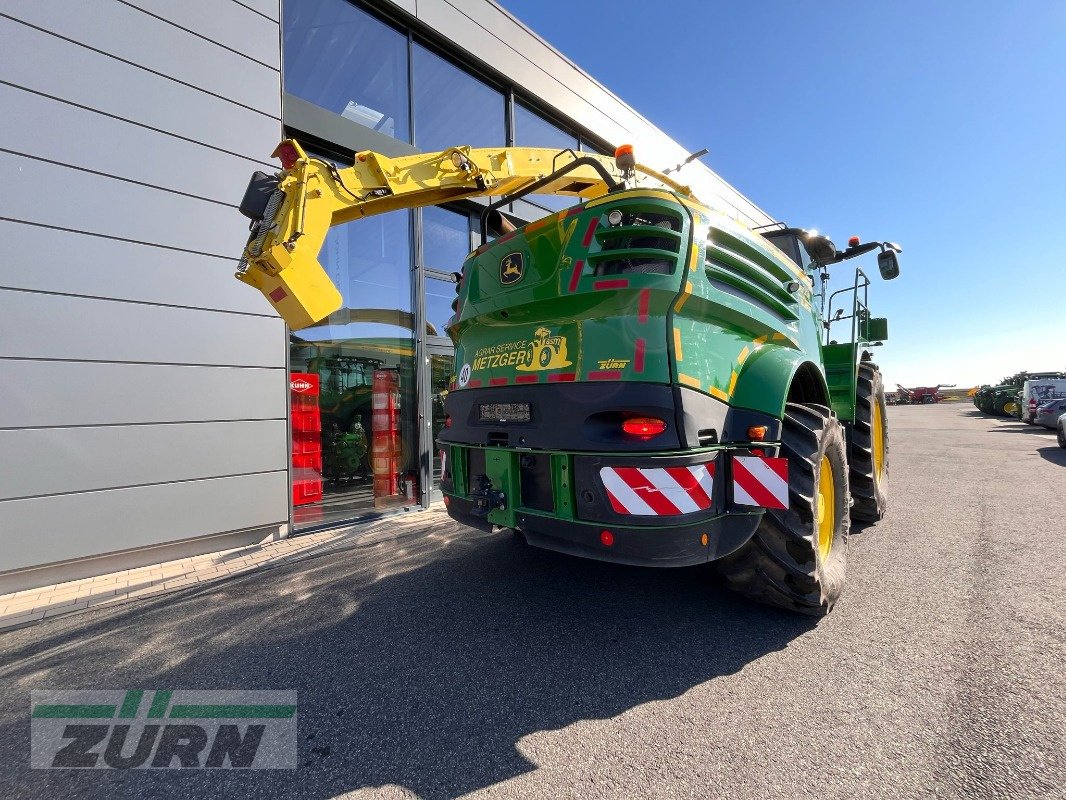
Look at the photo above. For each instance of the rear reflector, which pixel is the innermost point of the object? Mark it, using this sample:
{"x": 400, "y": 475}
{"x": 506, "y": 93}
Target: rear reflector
{"x": 644, "y": 427}
{"x": 760, "y": 481}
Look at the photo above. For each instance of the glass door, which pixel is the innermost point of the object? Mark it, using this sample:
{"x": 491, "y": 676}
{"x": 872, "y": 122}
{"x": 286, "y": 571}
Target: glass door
{"x": 441, "y": 369}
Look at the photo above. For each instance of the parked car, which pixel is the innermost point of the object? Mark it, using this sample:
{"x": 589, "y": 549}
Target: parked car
{"x": 1062, "y": 431}
{"x": 1036, "y": 392}
{"x": 1048, "y": 414}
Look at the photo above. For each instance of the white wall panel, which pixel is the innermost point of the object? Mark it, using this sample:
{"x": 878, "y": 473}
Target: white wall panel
{"x": 144, "y": 155}
{"x": 131, "y": 129}
{"x": 268, "y": 8}
{"x": 54, "y": 326}
{"x": 129, "y": 34}
{"x": 44, "y": 63}
{"x": 222, "y": 21}
{"x": 44, "y": 461}
{"x": 54, "y": 393}
{"x": 51, "y": 529}
{"x": 63, "y": 197}
{"x": 48, "y": 260}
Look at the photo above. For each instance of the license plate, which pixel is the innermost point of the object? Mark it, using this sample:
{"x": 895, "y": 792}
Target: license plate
{"x": 504, "y": 412}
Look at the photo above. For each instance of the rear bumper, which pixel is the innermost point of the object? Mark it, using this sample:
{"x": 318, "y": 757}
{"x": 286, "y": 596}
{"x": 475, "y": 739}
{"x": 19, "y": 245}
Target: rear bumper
{"x": 675, "y": 546}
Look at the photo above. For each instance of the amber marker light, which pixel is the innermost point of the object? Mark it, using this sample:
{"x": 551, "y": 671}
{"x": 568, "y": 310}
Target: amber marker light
{"x": 624, "y": 158}
{"x": 757, "y": 433}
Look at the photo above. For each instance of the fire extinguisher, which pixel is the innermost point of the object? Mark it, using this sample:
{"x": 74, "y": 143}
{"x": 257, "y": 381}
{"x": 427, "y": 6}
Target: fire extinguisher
{"x": 410, "y": 487}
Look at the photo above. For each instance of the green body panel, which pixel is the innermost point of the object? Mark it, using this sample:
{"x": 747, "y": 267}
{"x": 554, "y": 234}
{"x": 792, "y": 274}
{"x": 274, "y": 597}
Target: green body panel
{"x": 841, "y": 373}
{"x": 724, "y": 322}
{"x": 671, "y": 294}
{"x": 763, "y": 385}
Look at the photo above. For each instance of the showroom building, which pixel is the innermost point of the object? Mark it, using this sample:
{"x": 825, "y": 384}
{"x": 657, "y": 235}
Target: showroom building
{"x": 151, "y": 406}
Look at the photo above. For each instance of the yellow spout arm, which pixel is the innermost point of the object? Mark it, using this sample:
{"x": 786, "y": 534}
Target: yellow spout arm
{"x": 281, "y": 257}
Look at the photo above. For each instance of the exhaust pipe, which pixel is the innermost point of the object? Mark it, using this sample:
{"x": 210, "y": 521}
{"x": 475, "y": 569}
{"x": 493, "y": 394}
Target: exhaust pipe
{"x": 498, "y": 224}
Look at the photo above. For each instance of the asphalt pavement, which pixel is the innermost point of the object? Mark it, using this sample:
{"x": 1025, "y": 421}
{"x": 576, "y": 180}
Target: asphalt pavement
{"x": 442, "y": 661}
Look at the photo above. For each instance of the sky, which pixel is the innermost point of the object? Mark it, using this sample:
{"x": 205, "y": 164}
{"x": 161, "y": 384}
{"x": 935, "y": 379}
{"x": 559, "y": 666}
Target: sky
{"x": 938, "y": 125}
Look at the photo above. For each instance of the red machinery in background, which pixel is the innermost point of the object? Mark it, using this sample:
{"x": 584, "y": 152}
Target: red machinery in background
{"x": 921, "y": 394}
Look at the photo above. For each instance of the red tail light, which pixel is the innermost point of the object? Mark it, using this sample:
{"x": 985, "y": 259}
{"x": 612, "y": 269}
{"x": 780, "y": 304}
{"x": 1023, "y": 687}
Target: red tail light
{"x": 645, "y": 427}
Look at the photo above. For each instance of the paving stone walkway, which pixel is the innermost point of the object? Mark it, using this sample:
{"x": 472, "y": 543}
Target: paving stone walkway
{"x": 32, "y": 605}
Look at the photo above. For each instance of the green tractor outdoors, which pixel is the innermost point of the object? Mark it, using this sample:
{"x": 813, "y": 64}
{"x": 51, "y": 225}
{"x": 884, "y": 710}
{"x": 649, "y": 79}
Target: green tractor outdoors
{"x": 657, "y": 386}
{"x": 639, "y": 378}
{"x": 1003, "y": 400}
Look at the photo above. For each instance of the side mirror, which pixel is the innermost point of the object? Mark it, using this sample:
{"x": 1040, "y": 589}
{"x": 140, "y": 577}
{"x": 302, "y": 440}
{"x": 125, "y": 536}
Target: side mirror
{"x": 888, "y": 264}
{"x": 876, "y": 329}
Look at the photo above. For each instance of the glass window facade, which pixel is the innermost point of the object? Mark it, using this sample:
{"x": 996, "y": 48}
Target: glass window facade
{"x": 445, "y": 239}
{"x": 362, "y": 360}
{"x": 439, "y": 297}
{"x": 339, "y": 57}
{"x": 360, "y": 379}
{"x": 453, "y": 107}
{"x": 533, "y": 130}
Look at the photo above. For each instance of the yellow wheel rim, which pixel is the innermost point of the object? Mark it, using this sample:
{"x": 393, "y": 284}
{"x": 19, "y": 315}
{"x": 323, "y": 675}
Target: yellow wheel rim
{"x": 1011, "y": 408}
{"x": 877, "y": 433}
{"x": 826, "y": 508}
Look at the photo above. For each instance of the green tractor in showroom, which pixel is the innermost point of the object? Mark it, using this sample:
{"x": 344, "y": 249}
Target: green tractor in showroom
{"x": 639, "y": 378}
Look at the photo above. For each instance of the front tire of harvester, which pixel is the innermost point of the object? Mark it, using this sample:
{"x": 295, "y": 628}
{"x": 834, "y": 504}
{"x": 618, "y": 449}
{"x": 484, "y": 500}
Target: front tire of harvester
{"x": 797, "y": 558}
{"x": 868, "y": 447}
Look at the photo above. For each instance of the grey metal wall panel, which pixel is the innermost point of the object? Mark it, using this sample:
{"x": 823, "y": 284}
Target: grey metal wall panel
{"x": 268, "y": 8}
{"x": 49, "y": 260}
{"x": 117, "y": 208}
{"x": 45, "y": 461}
{"x": 56, "y": 326}
{"x": 130, "y": 34}
{"x": 50, "y": 529}
{"x": 55, "y": 67}
{"x": 230, "y": 24}
{"x": 54, "y": 393}
{"x": 145, "y": 155}
{"x": 410, "y": 6}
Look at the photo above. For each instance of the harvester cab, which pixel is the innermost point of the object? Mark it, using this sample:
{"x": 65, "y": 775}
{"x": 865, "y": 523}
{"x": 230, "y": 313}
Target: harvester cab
{"x": 640, "y": 378}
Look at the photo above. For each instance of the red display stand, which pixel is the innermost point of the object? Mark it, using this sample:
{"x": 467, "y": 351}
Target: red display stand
{"x": 385, "y": 436}
{"x": 306, "y": 439}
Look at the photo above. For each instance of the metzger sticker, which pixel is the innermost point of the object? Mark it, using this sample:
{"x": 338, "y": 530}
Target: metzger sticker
{"x": 464, "y": 375}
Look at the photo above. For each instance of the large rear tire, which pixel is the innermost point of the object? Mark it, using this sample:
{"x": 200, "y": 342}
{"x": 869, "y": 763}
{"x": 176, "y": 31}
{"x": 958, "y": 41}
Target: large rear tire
{"x": 797, "y": 558}
{"x": 868, "y": 447}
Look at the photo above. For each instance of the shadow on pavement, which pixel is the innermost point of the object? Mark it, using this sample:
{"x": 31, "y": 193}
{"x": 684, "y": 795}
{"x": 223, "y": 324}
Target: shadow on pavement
{"x": 420, "y": 661}
{"x": 1021, "y": 427}
{"x": 1056, "y": 455}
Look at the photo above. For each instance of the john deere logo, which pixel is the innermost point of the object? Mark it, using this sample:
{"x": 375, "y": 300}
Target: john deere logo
{"x": 512, "y": 268}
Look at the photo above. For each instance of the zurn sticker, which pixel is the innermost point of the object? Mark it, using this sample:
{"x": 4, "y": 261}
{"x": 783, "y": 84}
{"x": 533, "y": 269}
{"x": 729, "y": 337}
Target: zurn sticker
{"x": 464, "y": 375}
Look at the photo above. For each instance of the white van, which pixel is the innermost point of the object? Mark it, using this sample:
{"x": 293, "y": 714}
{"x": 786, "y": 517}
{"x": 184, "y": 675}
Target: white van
{"x": 1037, "y": 391}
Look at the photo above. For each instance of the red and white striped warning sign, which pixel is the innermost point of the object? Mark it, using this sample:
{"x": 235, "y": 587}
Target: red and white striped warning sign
{"x": 760, "y": 481}
{"x": 659, "y": 492}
